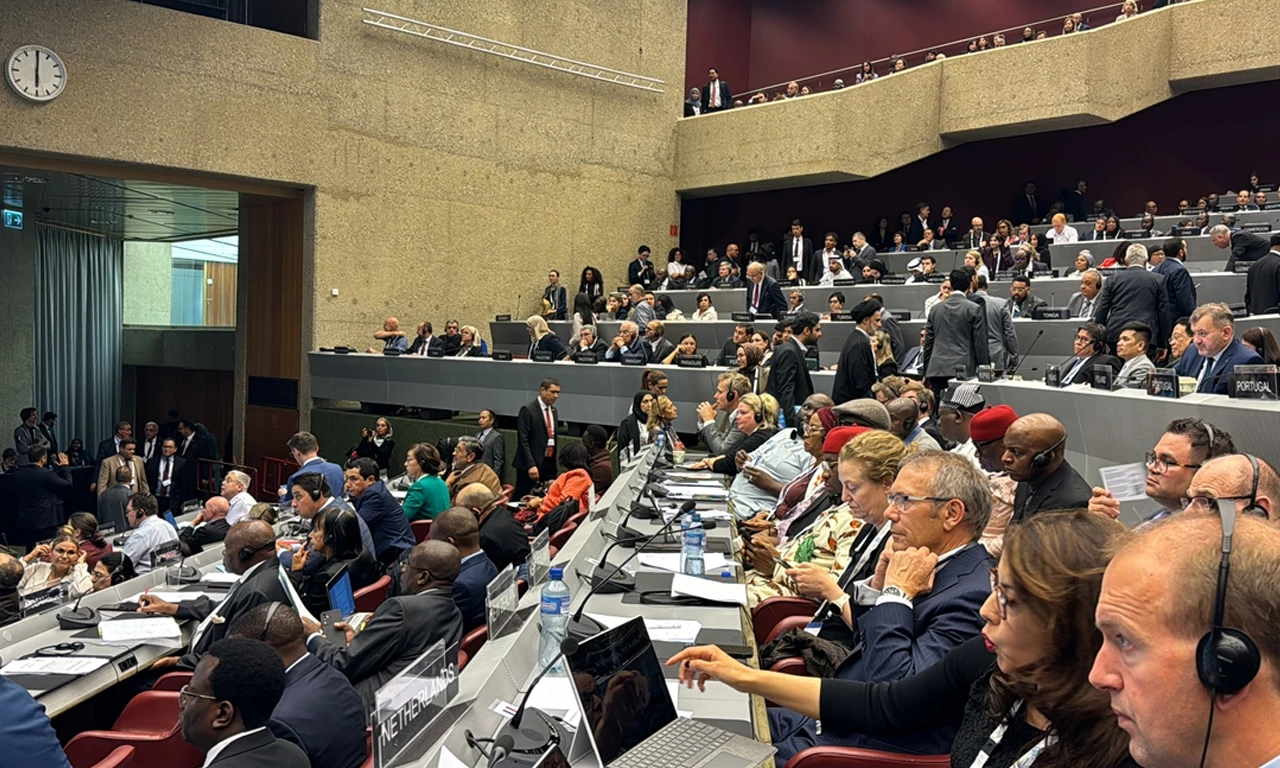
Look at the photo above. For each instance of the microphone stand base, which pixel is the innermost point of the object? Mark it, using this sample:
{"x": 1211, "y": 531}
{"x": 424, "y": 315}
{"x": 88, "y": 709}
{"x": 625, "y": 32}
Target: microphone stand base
{"x": 537, "y": 733}
{"x": 79, "y": 618}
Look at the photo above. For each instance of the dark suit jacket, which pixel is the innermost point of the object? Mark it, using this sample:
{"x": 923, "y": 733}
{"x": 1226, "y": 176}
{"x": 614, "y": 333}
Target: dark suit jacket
{"x": 1262, "y": 290}
{"x": 37, "y": 496}
{"x": 726, "y": 98}
{"x": 333, "y": 734}
{"x": 386, "y": 521}
{"x": 1135, "y": 295}
{"x": 856, "y": 371}
{"x": 642, "y": 273}
{"x": 1180, "y": 287}
{"x": 503, "y": 539}
{"x": 1064, "y": 488}
{"x": 495, "y": 448}
{"x": 26, "y": 729}
{"x": 915, "y": 233}
{"x": 1024, "y": 212}
{"x": 969, "y": 240}
{"x": 1217, "y": 381}
{"x": 261, "y": 750}
{"x": 599, "y": 347}
{"x": 262, "y": 586}
{"x": 49, "y": 435}
{"x": 1246, "y": 246}
{"x": 558, "y": 298}
{"x": 947, "y": 231}
{"x": 789, "y": 381}
{"x": 451, "y": 343}
{"x": 549, "y": 343}
{"x": 107, "y": 448}
{"x": 311, "y": 583}
{"x": 193, "y": 540}
{"x": 469, "y": 589}
{"x": 177, "y": 476}
{"x": 398, "y": 633}
{"x": 436, "y": 343}
{"x": 531, "y": 437}
{"x": 894, "y": 642}
{"x": 332, "y": 474}
{"x": 659, "y": 350}
{"x": 771, "y": 299}
{"x": 689, "y": 110}
{"x": 786, "y": 256}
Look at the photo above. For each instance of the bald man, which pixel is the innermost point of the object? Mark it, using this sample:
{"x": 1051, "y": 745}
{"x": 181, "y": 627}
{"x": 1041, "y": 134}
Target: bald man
{"x": 250, "y": 554}
{"x": 10, "y": 599}
{"x": 403, "y": 627}
{"x": 1156, "y": 604}
{"x": 458, "y": 526}
{"x": 1035, "y": 455}
{"x": 1232, "y": 478}
{"x": 904, "y": 421}
{"x": 209, "y": 527}
{"x": 392, "y": 338}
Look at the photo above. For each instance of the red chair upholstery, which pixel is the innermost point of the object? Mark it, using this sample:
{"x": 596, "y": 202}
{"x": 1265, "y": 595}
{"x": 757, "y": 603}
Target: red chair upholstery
{"x": 560, "y": 537}
{"x": 463, "y": 658}
{"x": 767, "y": 615}
{"x": 852, "y": 757}
{"x": 120, "y": 758}
{"x": 172, "y": 681}
{"x": 369, "y": 737}
{"x": 790, "y": 622}
{"x": 369, "y": 598}
{"x": 421, "y": 529}
{"x": 90, "y": 748}
{"x": 522, "y": 586}
{"x": 793, "y": 665}
{"x": 151, "y": 712}
{"x": 579, "y": 517}
{"x": 471, "y": 644}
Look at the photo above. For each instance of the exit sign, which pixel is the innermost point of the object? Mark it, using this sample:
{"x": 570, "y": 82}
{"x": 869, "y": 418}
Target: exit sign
{"x": 12, "y": 219}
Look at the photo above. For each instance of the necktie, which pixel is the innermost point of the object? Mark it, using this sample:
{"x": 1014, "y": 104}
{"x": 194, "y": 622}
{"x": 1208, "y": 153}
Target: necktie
{"x": 755, "y": 297}
{"x": 1204, "y": 372}
{"x": 551, "y": 430}
{"x": 715, "y": 95}
{"x": 164, "y": 479}
{"x": 796, "y": 245}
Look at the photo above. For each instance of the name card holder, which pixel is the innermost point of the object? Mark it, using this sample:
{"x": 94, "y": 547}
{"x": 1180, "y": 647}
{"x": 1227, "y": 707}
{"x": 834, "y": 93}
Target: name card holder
{"x": 936, "y": 278}
{"x": 1163, "y": 382}
{"x": 842, "y": 317}
{"x": 742, "y": 317}
{"x": 691, "y": 361}
{"x": 893, "y": 280}
{"x": 844, "y": 281}
{"x": 543, "y": 356}
{"x": 502, "y": 354}
{"x": 1001, "y": 277}
{"x": 901, "y": 315}
{"x": 633, "y": 358}
{"x": 1253, "y": 382}
{"x": 1256, "y": 226}
{"x": 1050, "y": 313}
{"x": 1102, "y": 377}
{"x": 1052, "y": 376}
{"x": 1239, "y": 310}
{"x": 1241, "y": 267}
{"x": 987, "y": 373}
{"x": 586, "y": 357}
{"x": 502, "y": 319}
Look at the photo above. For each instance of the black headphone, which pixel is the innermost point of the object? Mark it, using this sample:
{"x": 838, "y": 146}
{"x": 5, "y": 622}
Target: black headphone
{"x": 759, "y": 415}
{"x": 1042, "y": 459}
{"x": 247, "y": 552}
{"x": 909, "y": 423}
{"x": 1227, "y": 659}
{"x": 1252, "y": 507}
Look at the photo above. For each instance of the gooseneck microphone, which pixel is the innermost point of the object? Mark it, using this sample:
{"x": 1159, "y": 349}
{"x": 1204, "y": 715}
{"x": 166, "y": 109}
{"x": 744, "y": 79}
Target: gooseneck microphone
{"x": 521, "y": 743}
{"x": 1026, "y": 354}
{"x": 86, "y": 617}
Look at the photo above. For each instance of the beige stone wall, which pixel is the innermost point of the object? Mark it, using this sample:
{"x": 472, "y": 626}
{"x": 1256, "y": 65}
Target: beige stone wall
{"x": 446, "y": 182}
{"x": 148, "y": 283}
{"x": 1054, "y": 84}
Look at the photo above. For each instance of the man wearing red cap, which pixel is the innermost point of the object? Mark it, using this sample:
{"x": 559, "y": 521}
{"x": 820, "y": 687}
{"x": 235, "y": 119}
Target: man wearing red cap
{"x": 822, "y": 533}
{"x": 986, "y": 432}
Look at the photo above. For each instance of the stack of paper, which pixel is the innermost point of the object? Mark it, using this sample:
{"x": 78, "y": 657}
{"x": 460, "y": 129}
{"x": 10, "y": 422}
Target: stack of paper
{"x": 53, "y": 665}
{"x": 660, "y": 630}
{"x": 173, "y": 597}
{"x": 670, "y": 561}
{"x": 219, "y": 577}
{"x": 713, "y": 591}
{"x": 133, "y": 630}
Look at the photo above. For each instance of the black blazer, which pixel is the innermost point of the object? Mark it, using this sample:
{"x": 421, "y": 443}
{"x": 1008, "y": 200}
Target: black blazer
{"x": 771, "y": 299}
{"x": 1064, "y": 488}
{"x": 642, "y": 273}
{"x": 398, "y": 633}
{"x": 915, "y": 233}
{"x": 262, "y": 750}
{"x": 1135, "y": 295}
{"x": 726, "y": 98}
{"x": 629, "y": 433}
{"x": 549, "y": 343}
{"x": 469, "y": 589}
{"x": 37, "y": 494}
{"x": 531, "y": 437}
{"x": 177, "y": 480}
{"x": 1024, "y": 212}
{"x": 789, "y": 381}
{"x": 599, "y": 347}
{"x": 311, "y": 583}
{"x": 436, "y": 344}
{"x": 332, "y": 735}
{"x": 947, "y": 231}
{"x": 856, "y": 371}
{"x": 193, "y": 540}
{"x": 379, "y": 453}
{"x": 1262, "y": 291}
{"x": 1082, "y": 377}
{"x": 786, "y": 257}
{"x": 1245, "y": 246}
{"x": 503, "y": 539}
{"x": 262, "y": 586}
{"x": 386, "y": 520}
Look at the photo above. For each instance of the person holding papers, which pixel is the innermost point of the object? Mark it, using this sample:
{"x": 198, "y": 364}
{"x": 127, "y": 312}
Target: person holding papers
{"x": 250, "y": 553}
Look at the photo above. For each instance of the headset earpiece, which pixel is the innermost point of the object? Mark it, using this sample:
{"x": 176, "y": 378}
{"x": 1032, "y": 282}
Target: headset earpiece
{"x": 266, "y": 623}
{"x": 1043, "y": 458}
{"x": 1252, "y": 507}
{"x": 1227, "y": 659}
{"x": 315, "y": 494}
{"x": 759, "y": 416}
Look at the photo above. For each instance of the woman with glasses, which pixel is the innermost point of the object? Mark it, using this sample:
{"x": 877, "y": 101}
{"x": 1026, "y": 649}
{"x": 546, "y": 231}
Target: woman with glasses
{"x": 60, "y": 562}
{"x": 113, "y": 568}
{"x": 1019, "y": 694}
{"x": 334, "y": 544}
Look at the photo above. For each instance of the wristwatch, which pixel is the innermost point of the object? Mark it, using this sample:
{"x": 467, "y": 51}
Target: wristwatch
{"x": 895, "y": 592}
{"x": 841, "y": 601}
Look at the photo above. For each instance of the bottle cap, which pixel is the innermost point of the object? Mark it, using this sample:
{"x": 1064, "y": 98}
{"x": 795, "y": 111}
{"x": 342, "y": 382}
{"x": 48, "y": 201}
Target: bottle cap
{"x": 557, "y": 574}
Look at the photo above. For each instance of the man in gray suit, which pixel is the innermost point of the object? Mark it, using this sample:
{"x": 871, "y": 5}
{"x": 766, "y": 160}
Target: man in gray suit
{"x": 641, "y": 312}
{"x": 1135, "y": 295}
{"x": 955, "y": 335}
{"x": 863, "y": 253}
{"x": 495, "y": 446}
{"x": 1085, "y": 302}
{"x": 1002, "y": 342}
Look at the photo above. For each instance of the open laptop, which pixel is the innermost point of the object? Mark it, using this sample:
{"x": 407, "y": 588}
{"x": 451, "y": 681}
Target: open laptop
{"x": 342, "y": 607}
{"x": 629, "y": 715}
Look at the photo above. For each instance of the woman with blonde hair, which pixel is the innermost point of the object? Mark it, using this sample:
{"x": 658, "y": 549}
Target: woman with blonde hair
{"x": 883, "y": 346}
{"x": 377, "y": 443}
{"x": 59, "y": 562}
{"x": 541, "y": 339}
{"x": 472, "y": 346}
{"x": 757, "y": 417}
{"x": 662, "y": 417}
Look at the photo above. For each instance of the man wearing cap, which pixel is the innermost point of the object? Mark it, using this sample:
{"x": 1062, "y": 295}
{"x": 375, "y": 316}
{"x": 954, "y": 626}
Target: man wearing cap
{"x": 986, "y": 431}
{"x": 956, "y": 410}
{"x": 863, "y": 412}
{"x": 856, "y": 371}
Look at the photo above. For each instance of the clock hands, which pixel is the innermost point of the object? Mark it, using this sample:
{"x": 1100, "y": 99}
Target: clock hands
{"x": 37, "y": 70}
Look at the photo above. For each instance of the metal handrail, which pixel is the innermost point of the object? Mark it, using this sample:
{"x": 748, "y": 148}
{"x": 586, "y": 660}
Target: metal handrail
{"x": 815, "y": 81}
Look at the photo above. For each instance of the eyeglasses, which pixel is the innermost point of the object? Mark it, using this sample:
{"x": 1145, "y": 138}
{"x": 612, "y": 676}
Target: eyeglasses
{"x": 185, "y": 696}
{"x": 1160, "y": 466}
{"x": 901, "y": 501}
{"x": 1210, "y": 503}
{"x": 1002, "y": 599}
{"x": 985, "y": 443}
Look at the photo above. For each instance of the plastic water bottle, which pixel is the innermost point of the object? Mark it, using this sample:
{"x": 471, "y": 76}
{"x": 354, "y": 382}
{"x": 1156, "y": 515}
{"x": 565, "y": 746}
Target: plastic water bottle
{"x": 555, "y": 619}
{"x": 661, "y": 441}
{"x": 695, "y": 542}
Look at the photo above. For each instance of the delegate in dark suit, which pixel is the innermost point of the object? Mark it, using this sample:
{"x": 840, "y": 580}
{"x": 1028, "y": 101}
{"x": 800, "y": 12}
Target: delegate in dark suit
{"x": 503, "y": 540}
{"x": 915, "y": 232}
{"x": 386, "y": 521}
{"x": 856, "y": 371}
{"x": 469, "y": 589}
{"x": 433, "y": 343}
{"x": 1246, "y": 246}
{"x": 37, "y": 494}
{"x": 398, "y": 632}
{"x": 1180, "y": 287}
{"x": 549, "y": 343}
{"x": 955, "y": 336}
{"x": 172, "y": 495}
{"x": 641, "y": 273}
{"x": 807, "y": 268}
{"x": 195, "y": 539}
{"x": 1262, "y": 289}
{"x": 1028, "y": 209}
{"x": 1076, "y": 372}
{"x": 1135, "y": 295}
{"x": 726, "y": 98}
{"x": 789, "y": 381}
{"x": 495, "y": 450}
{"x": 764, "y": 299}
{"x": 262, "y": 583}
{"x": 1063, "y": 488}
{"x": 261, "y": 750}
{"x": 25, "y": 729}
{"x": 1217, "y": 380}
{"x": 531, "y": 446}
{"x": 893, "y": 642}
{"x": 332, "y": 735}
{"x": 658, "y": 350}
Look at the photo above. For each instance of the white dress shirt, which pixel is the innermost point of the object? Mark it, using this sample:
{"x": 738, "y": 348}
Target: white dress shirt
{"x": 829, "y": 278}
{"x": 1067, "y": 235}
{"x": 708, "y": 316}
{"x": 241, "y": 503}
{"x": 163, "y": 485}
{"x": 864, "y": 594}
{"x": 153, "y": 533}
{"x": 217, "y": 748}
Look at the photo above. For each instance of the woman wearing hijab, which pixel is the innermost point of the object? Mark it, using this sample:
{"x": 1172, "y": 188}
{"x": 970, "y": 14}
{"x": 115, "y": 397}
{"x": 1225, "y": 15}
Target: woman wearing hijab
{"x": 631, "y": 436}
{"x": 542, "y": 339}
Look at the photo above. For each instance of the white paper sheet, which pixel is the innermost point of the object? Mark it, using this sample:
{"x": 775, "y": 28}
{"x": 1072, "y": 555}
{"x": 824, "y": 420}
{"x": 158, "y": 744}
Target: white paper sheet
{"x": 54, "y": 665}
{"x": 715, "y": 591}
{"x": 219, "y": 577}
{"x": 670, "y": 561}
{"x": 449, "y": 760}
{"x": 1127, "y": 482}
{"x": 124, "y": 630}
{"x": 688, "y": 491}
{"x": 660, "y": 630}
{"x": 173, "y": 597}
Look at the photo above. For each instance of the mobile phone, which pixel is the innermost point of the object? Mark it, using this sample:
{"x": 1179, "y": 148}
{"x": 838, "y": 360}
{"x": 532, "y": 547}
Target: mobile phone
{"x": 783, "y": 563}
{"x": 331, "y": 633}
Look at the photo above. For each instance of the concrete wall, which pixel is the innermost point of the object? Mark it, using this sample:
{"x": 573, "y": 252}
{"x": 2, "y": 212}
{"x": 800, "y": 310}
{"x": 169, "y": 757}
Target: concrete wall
{"x": 18, "y": 297}
{"x": 148, "y": 283}
{"x": 446, "y": 182}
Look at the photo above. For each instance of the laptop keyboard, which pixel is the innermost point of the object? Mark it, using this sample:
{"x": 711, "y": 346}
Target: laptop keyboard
{"x": 681, "y": 744}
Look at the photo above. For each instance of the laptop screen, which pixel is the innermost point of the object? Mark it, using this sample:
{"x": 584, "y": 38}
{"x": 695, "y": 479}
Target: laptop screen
{"x": 620, "y": 685}
{"x": 341, "y": 598}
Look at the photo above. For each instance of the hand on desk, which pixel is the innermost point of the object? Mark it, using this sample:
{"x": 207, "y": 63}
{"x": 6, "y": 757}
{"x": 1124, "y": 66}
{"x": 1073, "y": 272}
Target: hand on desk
{"x": 704, "y": 464}
{"x": 150, "y": 604}
{"x": 1104, "y": 504}
{"x": 708, "y": 662}
{"x": 165, "y": 662}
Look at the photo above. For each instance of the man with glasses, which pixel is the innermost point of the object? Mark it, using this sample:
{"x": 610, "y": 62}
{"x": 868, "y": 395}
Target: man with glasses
{"x": 1089, "y": 349}
{"x": 142, "y": 513}
{"x": 1217, "y": 351}
{"x": 403, "y": 627}
{"x": 1185, "y": 446}
{"x": 922, "y": 601}
{"x": 1231, "y": 478}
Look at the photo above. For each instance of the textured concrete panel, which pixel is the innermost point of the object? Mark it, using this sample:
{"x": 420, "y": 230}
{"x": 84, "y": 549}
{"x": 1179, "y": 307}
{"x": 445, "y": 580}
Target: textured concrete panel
{"x": 148, "y": 283}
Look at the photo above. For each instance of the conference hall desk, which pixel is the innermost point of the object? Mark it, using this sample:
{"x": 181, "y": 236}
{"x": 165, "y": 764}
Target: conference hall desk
{"x": 58, "y": 693}
{"x": 1166, "y": 222}
{"x": 1106, "y": 428}
{"x": 505, "y": 666}
{"x": 1213, "y": 286}
{"x": 590, "y": 394}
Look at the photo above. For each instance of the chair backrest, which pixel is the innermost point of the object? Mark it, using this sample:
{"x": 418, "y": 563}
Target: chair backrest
{"x": 369, "y": 598}
{"x": 121, "y": 757}
{"x": 154, "y": 712}
{"x": 852, "y": 757}
{"x": 421, "y": 530}
{"x": 172, "y": 681}
{"x": 90, "y": 748}
{"x": 560, "y": 537}
{"x": 474, "y": 640}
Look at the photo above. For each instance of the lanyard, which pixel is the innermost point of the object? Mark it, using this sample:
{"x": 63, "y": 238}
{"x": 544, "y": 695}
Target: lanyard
{"x": 993, "y": 741}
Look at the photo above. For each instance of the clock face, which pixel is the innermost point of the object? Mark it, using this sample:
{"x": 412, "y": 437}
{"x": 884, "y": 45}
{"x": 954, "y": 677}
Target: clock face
{"x": 36, "y": 73}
